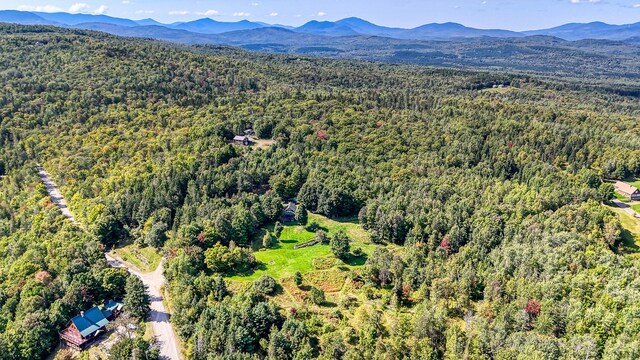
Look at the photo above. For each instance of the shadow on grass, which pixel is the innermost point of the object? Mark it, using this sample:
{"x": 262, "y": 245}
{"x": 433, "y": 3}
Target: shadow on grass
{"x": 356, "y": 260}
{"x": 629, "y": 245}
{"x": 259, "y": 267}
{"x": 347, "y": 220}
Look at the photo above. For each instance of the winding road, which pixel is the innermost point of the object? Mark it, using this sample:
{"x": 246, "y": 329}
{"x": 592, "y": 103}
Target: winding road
{"x": 159, "y": 317}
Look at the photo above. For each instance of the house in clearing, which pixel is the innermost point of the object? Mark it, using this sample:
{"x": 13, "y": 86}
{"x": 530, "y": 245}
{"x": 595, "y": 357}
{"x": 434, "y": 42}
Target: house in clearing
{"x": 243, "y": 140}
{"x": 87, "y": 327}
{"x": 289, "y": 212}
{"x": 626, "y": 190}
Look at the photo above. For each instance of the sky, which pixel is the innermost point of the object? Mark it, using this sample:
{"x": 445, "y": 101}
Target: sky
{"x": 504, "y": 14}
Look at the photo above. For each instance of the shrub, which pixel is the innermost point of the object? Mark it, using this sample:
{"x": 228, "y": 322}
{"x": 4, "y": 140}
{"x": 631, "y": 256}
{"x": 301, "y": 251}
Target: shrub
{"x": 316, "y": 296}
{"x": 358, "y": 252}
{"x": 266, "y": 285}
{"x": 313, "y": 227}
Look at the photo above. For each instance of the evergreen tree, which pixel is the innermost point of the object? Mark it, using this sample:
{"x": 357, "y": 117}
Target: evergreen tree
{"x": 339, "y": 244}
{"x": 267, "y": 240}
{"x": 220, "y": 289}
{"x": 301, "y": 214}
{"x": 136, "y": 300}
{"x": 277, "y": 229}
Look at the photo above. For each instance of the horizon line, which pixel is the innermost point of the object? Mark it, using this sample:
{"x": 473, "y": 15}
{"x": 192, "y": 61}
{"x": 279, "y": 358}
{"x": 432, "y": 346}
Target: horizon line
{"x": 314, "y": 20}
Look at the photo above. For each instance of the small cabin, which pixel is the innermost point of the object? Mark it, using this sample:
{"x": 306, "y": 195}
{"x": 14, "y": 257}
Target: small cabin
{"x": 289, "y": 212}
{"x": 243, "y": 140}
{"x": 626, "y": 190}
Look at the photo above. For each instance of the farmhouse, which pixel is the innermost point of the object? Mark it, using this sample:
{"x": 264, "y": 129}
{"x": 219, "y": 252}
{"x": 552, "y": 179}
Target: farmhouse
{"x": 289, "y": 212}
{"x": 243, "y": 140}
{"x": 85, "y": 328}
{"x": 627, "y": 190}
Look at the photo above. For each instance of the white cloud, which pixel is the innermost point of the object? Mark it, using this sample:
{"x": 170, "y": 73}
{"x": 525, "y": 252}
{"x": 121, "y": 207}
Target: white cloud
{"x": 254, "y": 4}
{"x": 102, "y": 9}
{"x": 636, "y": 6}
{"x": 584, "y": 1}
{"x": 178, "y": 12}
{"x": 43, "y": 8}
{"x": 126, "y": 2}
{"x": 322, "y": 13}
{"x": 209, "y": 13}
{"x": 243, "y": 14}
{"x": 79, "y": 7}
{"x": 145, "y": 12}
{"x": 274, "y": 14}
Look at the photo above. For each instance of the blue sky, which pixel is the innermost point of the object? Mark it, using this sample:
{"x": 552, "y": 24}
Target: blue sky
{"x": 505, "y": 14}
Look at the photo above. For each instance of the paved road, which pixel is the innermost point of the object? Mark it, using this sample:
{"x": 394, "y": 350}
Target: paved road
{"x": 625, "y": 207}
{"x": 159, "y": 317}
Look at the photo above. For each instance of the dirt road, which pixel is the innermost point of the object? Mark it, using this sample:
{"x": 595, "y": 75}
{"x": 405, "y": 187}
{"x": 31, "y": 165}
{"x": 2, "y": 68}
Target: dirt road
{"x": 165, "y": 337}
{"x": 159, "y": 317}
{"x": 628, "y": 209}
{"x": 55, "y": 195}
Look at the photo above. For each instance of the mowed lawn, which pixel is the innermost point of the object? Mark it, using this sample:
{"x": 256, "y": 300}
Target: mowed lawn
{"x": 631, "y": 235}
{"x": 634, "y": 183}
{"x": 282, "y": 260}
{"x": 146, "y": 259}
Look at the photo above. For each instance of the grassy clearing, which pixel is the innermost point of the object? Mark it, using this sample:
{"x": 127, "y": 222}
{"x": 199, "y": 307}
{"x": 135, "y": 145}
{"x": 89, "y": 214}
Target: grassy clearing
{"x": 282, "y": 260}
{"x": 620, "y": 197}
{"x": 631, "y": 235}
{"x": 634, "y": 182}
{"x": 263, "y": 143}
{"x": 146, "y": 259}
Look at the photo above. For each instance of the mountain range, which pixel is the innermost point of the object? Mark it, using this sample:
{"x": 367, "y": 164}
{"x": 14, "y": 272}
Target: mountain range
{"x": 345, "y": 27}
{"x": 560, "y": 50}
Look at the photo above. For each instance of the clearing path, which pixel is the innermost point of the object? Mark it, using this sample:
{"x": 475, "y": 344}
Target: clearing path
{"x": 55, "y": 195}
{"x": 165, "y": 337}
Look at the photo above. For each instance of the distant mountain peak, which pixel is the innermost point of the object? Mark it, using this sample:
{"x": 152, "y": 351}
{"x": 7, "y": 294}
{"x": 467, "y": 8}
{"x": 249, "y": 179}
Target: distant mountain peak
{"x": 350, "y": 26}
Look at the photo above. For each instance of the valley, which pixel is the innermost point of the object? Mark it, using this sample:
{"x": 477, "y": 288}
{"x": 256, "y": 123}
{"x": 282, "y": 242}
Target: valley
{"x": 452, "y": 213}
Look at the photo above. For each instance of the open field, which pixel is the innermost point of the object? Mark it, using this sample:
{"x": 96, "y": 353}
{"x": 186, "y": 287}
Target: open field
{"x": 631, "y": 235}
{"x": 145, "y": 259}
{"x": 634, "y": 182}
{"x": 282, "y": 260}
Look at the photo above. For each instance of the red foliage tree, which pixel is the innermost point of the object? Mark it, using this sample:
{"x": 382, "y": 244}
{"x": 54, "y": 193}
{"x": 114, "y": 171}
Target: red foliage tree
{"x": 533, "y": 308}
{"x": 43, "y": 277}
{"x": 322, "y": 135}
{"x": 445, "y": 244}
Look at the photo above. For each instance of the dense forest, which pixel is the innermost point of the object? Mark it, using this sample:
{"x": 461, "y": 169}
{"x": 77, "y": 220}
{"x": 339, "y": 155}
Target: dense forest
{"x": 484, "y": 203}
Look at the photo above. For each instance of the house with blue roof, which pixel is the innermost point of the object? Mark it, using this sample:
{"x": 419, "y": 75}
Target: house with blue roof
{"x": 86, "y": 327}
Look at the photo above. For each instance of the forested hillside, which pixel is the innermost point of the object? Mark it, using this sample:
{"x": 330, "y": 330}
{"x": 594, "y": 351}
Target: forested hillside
{"x": 483, "y": 204}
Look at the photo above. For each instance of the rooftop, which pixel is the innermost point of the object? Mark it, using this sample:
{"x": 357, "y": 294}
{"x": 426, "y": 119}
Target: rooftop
{"x": 91, "y": 321}
{"x": 624, "y": 187}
